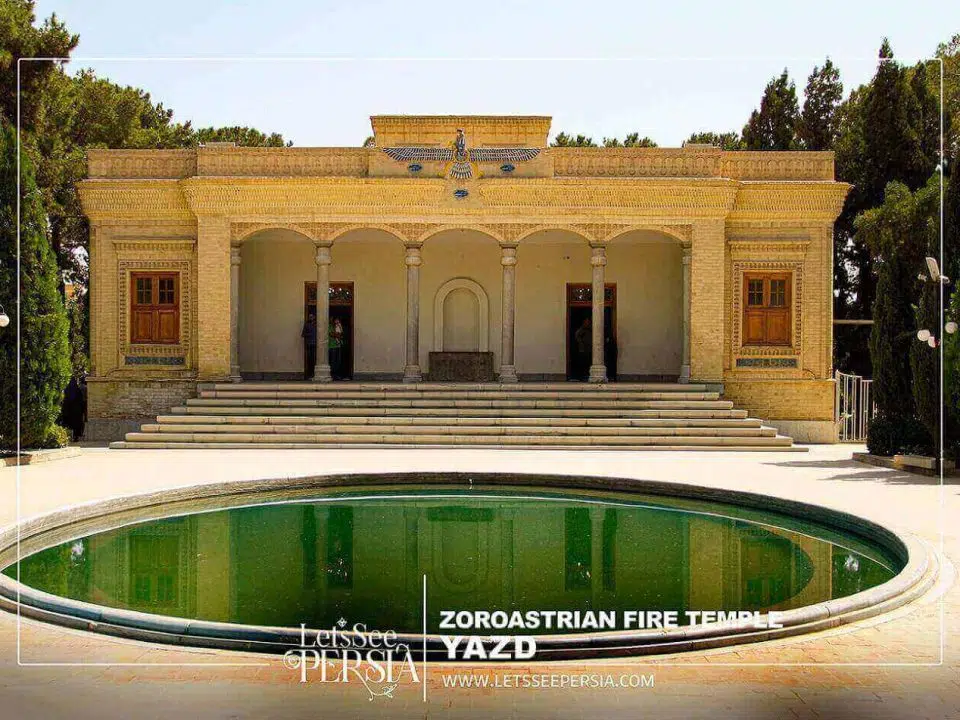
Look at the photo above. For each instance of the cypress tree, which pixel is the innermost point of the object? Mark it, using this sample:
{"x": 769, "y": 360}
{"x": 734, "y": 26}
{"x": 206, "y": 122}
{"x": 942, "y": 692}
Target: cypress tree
{"x": 818, "y": 126}
{"x": 44, "y": 349}
{"x": 774, "y": 125}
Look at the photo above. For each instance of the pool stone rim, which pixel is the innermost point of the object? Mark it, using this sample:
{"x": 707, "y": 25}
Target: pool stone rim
{"x": 919, "y": 572}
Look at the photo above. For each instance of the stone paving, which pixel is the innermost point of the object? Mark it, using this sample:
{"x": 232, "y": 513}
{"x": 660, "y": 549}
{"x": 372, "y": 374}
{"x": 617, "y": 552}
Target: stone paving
{"x": 885, "y": 667}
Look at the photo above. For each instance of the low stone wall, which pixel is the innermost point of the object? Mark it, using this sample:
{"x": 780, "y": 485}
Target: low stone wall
{"x": 115, "y": 407}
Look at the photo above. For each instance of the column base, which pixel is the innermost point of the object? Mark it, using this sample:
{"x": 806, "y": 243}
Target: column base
{"x": 598, "y": 373}
{"x": 508, "y": 374}
{"x": 684, "y": 374}
{"x": 412, "y": 374}
{"x": 321, "y": 374}
{"x": 235, "y": 376}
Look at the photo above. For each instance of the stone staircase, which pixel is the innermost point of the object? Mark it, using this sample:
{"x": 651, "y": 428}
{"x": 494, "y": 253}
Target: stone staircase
{"x": 640, "y": 416}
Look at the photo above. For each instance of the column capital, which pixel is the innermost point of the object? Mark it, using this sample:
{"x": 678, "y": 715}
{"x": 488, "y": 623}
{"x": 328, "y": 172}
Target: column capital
{"x": 235, "y": 255}
{"x": 413, "y": 256}
{"x": 508, "y": 255}
{"x": 323, "y": 256}
{"x": 598, "y": 256}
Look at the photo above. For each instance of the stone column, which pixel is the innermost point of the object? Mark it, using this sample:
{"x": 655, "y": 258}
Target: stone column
{"x": 598, "y": 370}
{"x": 685, "y": 362}
{"x": 213, "y": 298}
{"x": 411, "y": 371}
{"x": 235, "y": 314}
{"x": 321, "y": 372}
{"x": 508, "y": 259}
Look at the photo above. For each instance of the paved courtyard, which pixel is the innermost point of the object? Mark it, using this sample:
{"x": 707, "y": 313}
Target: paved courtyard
{"x": 885, "y": 667}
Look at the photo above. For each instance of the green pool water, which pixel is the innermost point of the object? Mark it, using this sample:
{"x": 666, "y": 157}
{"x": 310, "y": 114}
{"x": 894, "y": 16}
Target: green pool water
{"x": 361, "y": 556}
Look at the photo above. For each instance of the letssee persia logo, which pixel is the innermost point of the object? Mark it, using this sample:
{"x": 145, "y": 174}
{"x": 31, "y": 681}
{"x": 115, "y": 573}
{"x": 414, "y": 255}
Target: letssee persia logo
{"x": 374, "y": 658}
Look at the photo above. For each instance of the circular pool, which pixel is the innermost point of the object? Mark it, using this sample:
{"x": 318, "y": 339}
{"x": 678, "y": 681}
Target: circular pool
{"x": 589, "y": 566}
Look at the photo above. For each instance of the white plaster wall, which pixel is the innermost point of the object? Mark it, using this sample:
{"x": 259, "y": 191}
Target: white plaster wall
{"x": 546, "y": 262}
{"x": 647, "y": 270}
{"x": 452, "y": 254}
{"x": 274, "y": 266}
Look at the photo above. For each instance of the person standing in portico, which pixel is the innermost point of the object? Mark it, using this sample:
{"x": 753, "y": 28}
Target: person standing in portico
{"x": 309, "y": 335}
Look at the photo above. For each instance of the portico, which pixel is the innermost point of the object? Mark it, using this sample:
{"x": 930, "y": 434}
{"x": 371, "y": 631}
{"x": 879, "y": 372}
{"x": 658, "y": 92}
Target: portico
{"x": 485, "y": 242}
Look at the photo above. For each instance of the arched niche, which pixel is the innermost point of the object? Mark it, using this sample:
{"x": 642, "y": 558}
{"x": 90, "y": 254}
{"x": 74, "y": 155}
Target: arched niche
{"x": 461, "y": 317}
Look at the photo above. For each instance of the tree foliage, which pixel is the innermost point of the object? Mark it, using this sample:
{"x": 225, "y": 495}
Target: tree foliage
{"x": 818, "y": 126}
{"x": 631, "y": 140}
{"x": 724, "y": 140}
{"x": 44, "y": 360}
{"x": 564, "y": 140}
{"x": 899, "y": 233}
{"x": 774, "y": 125}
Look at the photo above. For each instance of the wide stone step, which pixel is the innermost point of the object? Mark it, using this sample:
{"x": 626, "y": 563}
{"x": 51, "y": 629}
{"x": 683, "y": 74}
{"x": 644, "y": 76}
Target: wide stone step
{"x": 379, "y": 395}
{"x": 459, "y": 439}
{"x": 511, "y": 430}
{"x": 444, "y": 403}
{"x": 517, "y": 388}
{"x": 136, "y": 445}
{"x": 244, "y": 420}
{"x": 280, "y": 410}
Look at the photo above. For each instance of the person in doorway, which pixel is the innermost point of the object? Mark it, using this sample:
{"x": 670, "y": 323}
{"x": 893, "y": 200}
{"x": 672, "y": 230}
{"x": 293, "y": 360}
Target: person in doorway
{"x": 583, "y": 338}
{"x": 610, "y": 355}
{"x": 309, "y": 335}
{"x": 336, "y": 349}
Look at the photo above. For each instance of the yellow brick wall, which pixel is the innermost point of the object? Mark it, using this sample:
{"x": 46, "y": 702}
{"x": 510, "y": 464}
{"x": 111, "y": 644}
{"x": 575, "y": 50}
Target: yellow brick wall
{"x": 707, "y": 307}
{"x": 213, "y": 298}
{"x": 779, "y": 399}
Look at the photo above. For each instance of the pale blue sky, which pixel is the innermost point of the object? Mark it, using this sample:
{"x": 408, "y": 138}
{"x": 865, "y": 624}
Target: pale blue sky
{"x": 696, "y": 65}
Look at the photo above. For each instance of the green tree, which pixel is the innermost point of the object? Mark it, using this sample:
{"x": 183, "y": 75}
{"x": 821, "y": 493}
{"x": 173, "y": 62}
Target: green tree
{"x": 631, "y": 140}
{"x": 564, "y": 140}
{"x": 878, "y": 143}
{"x": 44, "y": 351}
{"x": 20, "y": 37}
{"x": 725, "y": 140}
{"x": 243, "y": 136}
{"x": 774, "y": 125}
{"x": 818, "y": 126}
{"x": 898, "y": 234}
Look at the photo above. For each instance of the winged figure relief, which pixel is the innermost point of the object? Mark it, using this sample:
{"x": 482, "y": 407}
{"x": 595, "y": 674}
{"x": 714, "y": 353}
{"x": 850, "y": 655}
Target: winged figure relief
{"x": 460, "y": 157}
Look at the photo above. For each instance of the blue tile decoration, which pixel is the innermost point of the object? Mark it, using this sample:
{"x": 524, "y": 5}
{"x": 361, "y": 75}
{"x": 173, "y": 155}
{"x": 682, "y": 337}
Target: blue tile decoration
{"x": 461, "y": 193}
{"x": 151, "y": 360}
{"x": 414, "y": 167}
{"x": 508, "y": 168}
{"x": 767, "y": 362}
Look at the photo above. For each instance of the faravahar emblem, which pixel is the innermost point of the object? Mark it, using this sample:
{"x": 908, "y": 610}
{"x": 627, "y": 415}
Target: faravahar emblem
{"x": 461, "y": 159}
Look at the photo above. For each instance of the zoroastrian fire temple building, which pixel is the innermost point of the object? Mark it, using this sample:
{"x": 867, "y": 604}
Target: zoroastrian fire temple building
{"x": 466, "y": 243}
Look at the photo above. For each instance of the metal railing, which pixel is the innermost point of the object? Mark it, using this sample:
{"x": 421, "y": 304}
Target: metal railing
{"x": 853, "y": 408}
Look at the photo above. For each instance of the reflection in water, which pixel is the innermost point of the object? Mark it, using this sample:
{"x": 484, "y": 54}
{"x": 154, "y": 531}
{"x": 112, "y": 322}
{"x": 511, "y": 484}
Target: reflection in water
{"x": 363, "y": 559}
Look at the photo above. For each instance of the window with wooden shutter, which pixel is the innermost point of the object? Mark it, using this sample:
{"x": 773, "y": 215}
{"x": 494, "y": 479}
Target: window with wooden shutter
{"x": 155, "y": 308}
{"x": 767, "y": 317}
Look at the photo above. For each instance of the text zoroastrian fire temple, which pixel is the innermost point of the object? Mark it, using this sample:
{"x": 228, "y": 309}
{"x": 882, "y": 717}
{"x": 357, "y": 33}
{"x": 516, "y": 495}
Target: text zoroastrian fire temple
{"x": 462, "y": 248}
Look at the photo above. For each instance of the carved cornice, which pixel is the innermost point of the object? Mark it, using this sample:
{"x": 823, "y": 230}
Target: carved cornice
{"x": 141, "y": 163}
{"x": 808, "y": 202}
{"x": 306, "y": 201}
{"x": 770, "y": 165}
{"x": 764, "y": 247}
{"x": 133, "y": 199}
{"x": 636, "y": 162}
{"x": 282, "y": 162}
